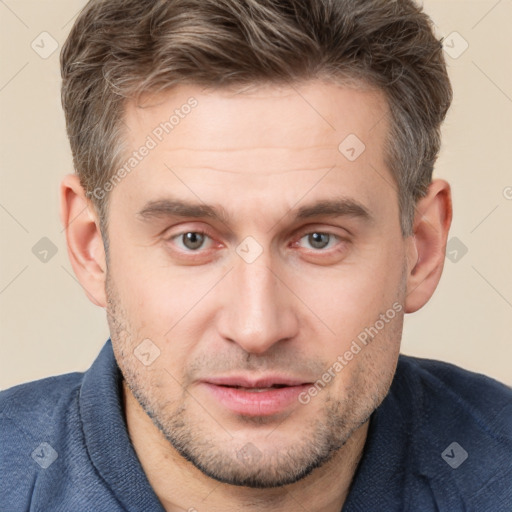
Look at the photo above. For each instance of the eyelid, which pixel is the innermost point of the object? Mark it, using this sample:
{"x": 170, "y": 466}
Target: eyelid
{"x": 178, "y": 230}
{"x": 337, "y": 231}
{"x": 342, "y": 236}
{"x": 179, "y": 236}
{"x": 184, "y": 232}
{"x": 301, "y": 233}
{"x": 170, "y": 238}
{"x": 337, "y": 240}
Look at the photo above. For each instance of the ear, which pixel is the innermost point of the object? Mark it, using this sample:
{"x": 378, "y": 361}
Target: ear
{"x": 84, "y": 242}
{"x": 428, "y": 244}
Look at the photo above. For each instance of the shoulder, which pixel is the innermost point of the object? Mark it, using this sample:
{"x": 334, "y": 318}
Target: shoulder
{"x": 460, "y": 432}
{"x": 443, "y": 385}
{"x": 35, "y": 419}
{"x": 33, "y": 405}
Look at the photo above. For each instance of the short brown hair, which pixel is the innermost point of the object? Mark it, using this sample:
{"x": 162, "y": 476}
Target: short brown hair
{"x": 118, "y": 49}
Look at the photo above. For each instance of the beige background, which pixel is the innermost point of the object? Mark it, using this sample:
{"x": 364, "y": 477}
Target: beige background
{"x": 49, "y": 327}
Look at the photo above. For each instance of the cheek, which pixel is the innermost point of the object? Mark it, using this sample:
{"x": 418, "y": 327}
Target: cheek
{"x": 351, "y": 303}
{"x": 167, "y": 306}
{"x": 153, "y": 297}
{"x": 353, "y": 298}
{"x": 366, "y": 363}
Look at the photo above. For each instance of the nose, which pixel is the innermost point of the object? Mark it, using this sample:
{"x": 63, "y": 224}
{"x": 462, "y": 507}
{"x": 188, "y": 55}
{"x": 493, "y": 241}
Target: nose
{"x": 257, "y": 309}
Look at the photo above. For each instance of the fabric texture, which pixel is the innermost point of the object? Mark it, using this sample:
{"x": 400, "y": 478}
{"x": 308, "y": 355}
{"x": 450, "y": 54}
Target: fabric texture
{"x": 440, "y": 441}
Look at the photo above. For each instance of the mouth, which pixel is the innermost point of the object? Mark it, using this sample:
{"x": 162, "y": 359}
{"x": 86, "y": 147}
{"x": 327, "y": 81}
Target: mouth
{"x": 257, "y": 389}
{"x": 255, "y": 397}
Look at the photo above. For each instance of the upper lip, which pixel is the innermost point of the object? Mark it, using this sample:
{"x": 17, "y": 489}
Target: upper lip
{"x": 261, "y": 382}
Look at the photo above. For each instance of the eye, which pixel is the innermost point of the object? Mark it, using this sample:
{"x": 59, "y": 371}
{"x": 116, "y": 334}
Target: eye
{"x": 319, "y": 240}
{"x": 191, "y": 240}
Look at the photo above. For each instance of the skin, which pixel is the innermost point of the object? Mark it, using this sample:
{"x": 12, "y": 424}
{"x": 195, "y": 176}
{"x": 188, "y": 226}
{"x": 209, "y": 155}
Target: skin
{"x": 261, "y": 154}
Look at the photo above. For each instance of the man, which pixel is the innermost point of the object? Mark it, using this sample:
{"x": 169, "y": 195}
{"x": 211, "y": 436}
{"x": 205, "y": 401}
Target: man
{"x": 254, "y": 207}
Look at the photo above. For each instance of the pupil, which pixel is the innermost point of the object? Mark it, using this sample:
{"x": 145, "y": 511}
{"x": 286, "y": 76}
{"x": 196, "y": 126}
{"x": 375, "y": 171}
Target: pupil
{"x": 193, "y": 240}
{"x": 319, "y": 240}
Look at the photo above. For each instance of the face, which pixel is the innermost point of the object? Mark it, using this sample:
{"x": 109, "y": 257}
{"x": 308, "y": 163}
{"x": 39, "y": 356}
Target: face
{"x": 256, "y": 274}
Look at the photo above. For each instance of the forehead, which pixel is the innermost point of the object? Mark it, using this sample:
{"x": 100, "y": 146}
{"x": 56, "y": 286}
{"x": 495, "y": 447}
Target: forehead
{"x": 271, "y": 140}
{"x": 297, "y": 117}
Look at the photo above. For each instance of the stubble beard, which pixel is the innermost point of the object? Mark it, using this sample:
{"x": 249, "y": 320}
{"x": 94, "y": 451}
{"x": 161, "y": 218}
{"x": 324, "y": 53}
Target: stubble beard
{"x": 199, "y": 439}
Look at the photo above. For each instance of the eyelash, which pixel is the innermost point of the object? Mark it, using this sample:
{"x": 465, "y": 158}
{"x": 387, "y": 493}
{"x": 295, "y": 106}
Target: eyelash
{"x": 196, "y": 231}
{"x": 318, "y": 232}
{"x": 303, "y": 234}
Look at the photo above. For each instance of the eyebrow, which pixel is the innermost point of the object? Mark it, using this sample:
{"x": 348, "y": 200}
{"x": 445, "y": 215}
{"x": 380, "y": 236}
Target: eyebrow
{"x": 339, "y": 207}
{"x": 180, "y": 208}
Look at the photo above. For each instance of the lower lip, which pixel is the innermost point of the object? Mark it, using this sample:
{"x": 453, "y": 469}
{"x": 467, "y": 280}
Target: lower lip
{"x": 256, "y": 403}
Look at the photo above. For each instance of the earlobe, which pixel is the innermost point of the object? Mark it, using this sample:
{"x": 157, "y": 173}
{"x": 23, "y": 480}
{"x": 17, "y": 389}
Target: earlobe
{"x": 431, "y": 226}
{"x": 83, "y": 237}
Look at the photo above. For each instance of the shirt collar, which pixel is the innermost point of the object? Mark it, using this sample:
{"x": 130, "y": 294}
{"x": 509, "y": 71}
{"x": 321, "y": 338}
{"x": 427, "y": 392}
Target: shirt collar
{"x": 106, "y": 435}
{"x": 376, "y": 483}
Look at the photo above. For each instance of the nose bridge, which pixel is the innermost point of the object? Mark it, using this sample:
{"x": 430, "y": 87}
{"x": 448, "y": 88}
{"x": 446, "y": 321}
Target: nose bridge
{"x": 257, "y": 312}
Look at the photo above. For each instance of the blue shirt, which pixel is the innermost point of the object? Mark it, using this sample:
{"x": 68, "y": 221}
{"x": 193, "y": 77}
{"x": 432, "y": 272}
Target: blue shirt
{"x": 440, "y": 441}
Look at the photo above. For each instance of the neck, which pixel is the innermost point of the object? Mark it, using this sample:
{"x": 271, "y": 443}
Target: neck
{"x": 179, "y": 485}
